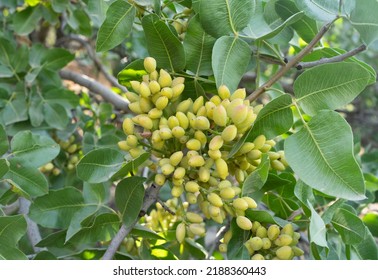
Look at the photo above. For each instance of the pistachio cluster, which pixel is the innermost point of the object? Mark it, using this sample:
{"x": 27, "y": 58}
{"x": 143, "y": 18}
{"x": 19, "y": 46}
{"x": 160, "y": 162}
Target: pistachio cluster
{"x": 190, "y": 143}
{"x": 269, "y": 243}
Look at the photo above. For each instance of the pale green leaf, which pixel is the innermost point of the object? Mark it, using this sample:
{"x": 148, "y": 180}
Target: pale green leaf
{"x": 364, "y": 19}
{"x": 321, "y": 154}
{"x": 32, "y": 149}
{"x": 230, "y": 59}
{"x": 162, "y": 44}
{"x": 317, "y": 228}
{"x": 349, "y": 226}
{"x": 198, "y": 49}
{"x": 29, "y": 179}
{"x": 330, "y": 86}
{"x": 223, "y": 17}
{"x": 129, "y": 198}
{"x": 99, "y": 165}
{"x": 57, "y": 208}
{"x": 117, "y": 25}
{"x": 321, "y": 10}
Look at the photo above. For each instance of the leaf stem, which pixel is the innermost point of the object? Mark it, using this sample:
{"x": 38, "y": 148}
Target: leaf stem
{"x": 294, "y": 61}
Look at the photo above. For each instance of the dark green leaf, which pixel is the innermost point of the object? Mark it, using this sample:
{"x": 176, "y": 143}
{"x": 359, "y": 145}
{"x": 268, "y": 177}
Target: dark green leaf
{"x": 117, "y": 25}
{"x": 12, "y": 228}
{"x": 198, "y": 49}
{"x": 340, "y": 84}
{"x": 45, "y": 255}
{"x": 59, "y": 5}
{"x": 29, "y": 179}
{"x": 33, "y": 150}
{"x": 264, "y": 217}
{"x": 305, "y": 26}
{"x": 223, "y": 17}
{"x": 4, "y": 145}
{"x": 256, "y": 180}
{"x": 57, "y": 208}
{"x": 236, "y": 249}
{"x": 162, "y": 44}
{"x": 129, "y": 198}
{"x": 56, "y": 116}
{"x": 349, "y": 226}
{"x": 99, "y": 165}
{"x": 143, "y": 232}
{"x": 230, "y": 59}
{"x": 130, "y": 166}
{"x": 274, "y": 119}
{"x": 27, "y": 20}
{"x": 5, "y": 72}
{"x": 328, "y": 152}
{"x": 367, "y": 248}
{"x": 11, "y": 253}
{"x": 4, "y": 167}
{"x": 56, "y": 58}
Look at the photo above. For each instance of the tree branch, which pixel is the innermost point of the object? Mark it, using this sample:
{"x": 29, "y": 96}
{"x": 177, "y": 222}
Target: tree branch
{"x": 91, "y": 53}
{"x": 32, "y": 228}
{"x": 293, "y": 62}
{"x": 119, "y": 102}
{"x": 150, "y": 198}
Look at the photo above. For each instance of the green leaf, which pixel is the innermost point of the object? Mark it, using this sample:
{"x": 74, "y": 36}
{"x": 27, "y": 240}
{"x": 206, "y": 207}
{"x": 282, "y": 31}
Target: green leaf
{"x": 97, "y": 11}
{"x": 305, "y": 194}
{"x": 162, "y": 44}
{"x": 77, "y": 219}
{"x": 27, "y": 20}
{"x": 230, "y": 59}
{"x": 259, "y": 29}
{"x": 328, "y": 153}
{"x": 59, "y": 5}
{"x": 321, "y": 10}
{"x": 4, "y": 167}
{"x": 130, "y": 166}
{"x": 103, "y": 228}
{"x": 45, "y": 255}
{"x": 15, "y": 109}
{"x": 29, "y": 179}
{"x": 12, "y": 228}
{"x": 274, "y": 119}
{"x": 4, "y": 145}
{"x": 33, "y": 150}
{"x": 133, "y": 71}
{"x": 256, "y": 180}
{"x": 223, "y": 17}
{"x": 371, "y": 221}
{"x": 5, "y": 72}
{"x": 56, "y": 58}
{"x": 264, "y": 217}
{"x": 349, "y": 226}
{"x": 55, "y": 116}
{"x": 144, "y": 232}
{"x": 364, "y": 19}
{"x": 117, "y": 25}
{"x": 57, "y": 208}
{"x": 367, "y": 248}
{"x": 305, "y": 26}
{"x": 11, "y": 253}
{"x": 317, "y": 228}
{"x": 129, "y": 198}
{"x": 235, "y": 248}
{"x": 330, "y": 86}
{"x": 99, "y": 165}
{"x": 198, "y": 49}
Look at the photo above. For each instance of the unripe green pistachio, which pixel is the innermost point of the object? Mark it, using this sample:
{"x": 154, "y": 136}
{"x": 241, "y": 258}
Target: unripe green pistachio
{"x": 229, "y": 133}
{"x": 259, "y": 142}
{"x": 266, "y": 243}
{"x": 191, "y": 198}
{"x": 154, "y": 87}
{"x": 149, "y": 64}
{"x": 132, "y": 141}
{"x": 285, "y": 253}
{"x": 222, "y": 248}
{"x": 144, "y": 90}
{"x": 135, "y": 107}
{"x": 135, "y": 86}
{"x": 283, "y": 240}
{"x": 180, "y": 232}
{"x": 243, "y": 223}
{"x": 224, "y": 92}
{"x": 227, "y": 193}
{"x": 177, "y": 90}
{"x": 165, "y": 80}
{"x": 261, "y": 232}
{"x": 183, "y": 120}
{"x": 216, "y": 143}
{"x": 167, "y": 92}
{"x": 214, "y": 154}
{"x": 198, "y": 103}
{"x": 255, "y": 226}
{"x": 250, "y": 201}
{"x": 160, "y": 179}
{"x": 204, "y": 174}
{"x": 194, "y": 217}
{"x": 165, "y": 133}
{"x": 167, "y": 169}
{"x": 265, "y": 148}
{"x": 256, "y": 243}
{"x": 254, "y": 155}
{"x": 177, "y": 81}
{"x": 178, "y": 132}
{"x": 184, "y": 106}
{"x": 202, "y": 123}
{"x": 192, "y": 186}
{"x": 123, "y": 146}
{"x": 145, "y": 122}
{"x": 154, "y": 76}
{"x": 240, "y": 204}
{"x": 210, "y": 106}
{"x": 196, "y": 161}
{"x": 177, "y": 191}
{"x": 297, "y": 251}
{"x": 288, "y": 229}
{"x": 197, "y": 229}
{"x": 179, "y": 173}
{"x": 131, "y": 96}
{"x": 214, "y": 211}
{"x": 273, "y": 232}
{"x": 257, "y": 257}
{"x": 176, "y": 157}
{"x": 215, "y": 199}
{"x": 239, "y": 93}
{"x": 221, "y": 167}
{"x": 277, "y": 165}
{"x": 161, "y": 102}
{"x": 193, "y": 144}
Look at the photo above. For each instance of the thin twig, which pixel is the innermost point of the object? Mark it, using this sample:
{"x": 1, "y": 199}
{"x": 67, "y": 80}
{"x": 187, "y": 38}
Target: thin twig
{"x": 32, "y": 228}
{"x": 326, "y": 60}
{"x": 119, "y": 102}
{"x": 216, "y": 241}
{"x": 92, "y": 54}
{"x": 165, "y": 206}
{"x": 294, "y": 61}
{"x": 150, "y": 197}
